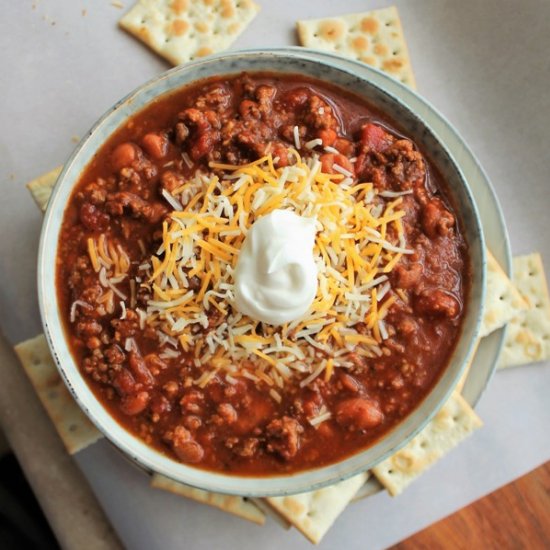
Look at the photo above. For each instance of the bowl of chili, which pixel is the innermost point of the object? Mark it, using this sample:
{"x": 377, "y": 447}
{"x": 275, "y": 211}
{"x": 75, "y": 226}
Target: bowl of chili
{"x": 138, "y": 268}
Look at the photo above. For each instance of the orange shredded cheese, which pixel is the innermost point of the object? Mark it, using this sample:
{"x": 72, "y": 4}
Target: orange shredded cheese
{"x": 203, "y": 240}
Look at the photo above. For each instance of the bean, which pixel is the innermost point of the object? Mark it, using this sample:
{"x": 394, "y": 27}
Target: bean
{"x": 124, "y": 155}
{"x": 134, "y": 404}
{"x": 155, "y": 145}
{"x": 359, "y": 413}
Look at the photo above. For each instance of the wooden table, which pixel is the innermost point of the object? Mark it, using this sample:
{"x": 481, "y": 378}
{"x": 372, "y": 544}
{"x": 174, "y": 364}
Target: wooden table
{"x": 515, "y": 516}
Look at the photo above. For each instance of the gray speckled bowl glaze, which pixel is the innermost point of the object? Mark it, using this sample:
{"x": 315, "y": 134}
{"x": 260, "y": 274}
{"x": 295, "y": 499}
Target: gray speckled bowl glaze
{"x": 287, "y": 61}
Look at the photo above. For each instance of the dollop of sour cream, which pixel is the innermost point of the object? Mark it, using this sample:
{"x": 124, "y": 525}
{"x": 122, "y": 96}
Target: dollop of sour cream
{"x": 276, "y": 276}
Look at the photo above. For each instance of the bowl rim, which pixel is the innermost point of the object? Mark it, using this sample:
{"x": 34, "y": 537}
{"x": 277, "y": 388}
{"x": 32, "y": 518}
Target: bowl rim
{"x": 138, "y": 451}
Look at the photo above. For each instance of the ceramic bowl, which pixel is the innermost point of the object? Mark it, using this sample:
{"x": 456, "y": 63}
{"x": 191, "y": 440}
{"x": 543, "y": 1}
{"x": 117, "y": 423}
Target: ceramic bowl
{"x": 412, "y": 123}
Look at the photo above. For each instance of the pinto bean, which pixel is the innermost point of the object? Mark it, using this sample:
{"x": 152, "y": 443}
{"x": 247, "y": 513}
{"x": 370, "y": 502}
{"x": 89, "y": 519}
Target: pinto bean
{"x": 189, "y": 451}
{"x": 155, "y": 145}
{"x": 124, "y": 155}
{"x": 139, "y": 369}
{"x": 185, "y": 447}
{"x": 135, "y": 403}
{"x": 359, "y": 413}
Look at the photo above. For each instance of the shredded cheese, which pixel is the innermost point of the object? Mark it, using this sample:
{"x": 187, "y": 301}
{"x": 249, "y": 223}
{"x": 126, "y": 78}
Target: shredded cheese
{"x": 202, "y": 238}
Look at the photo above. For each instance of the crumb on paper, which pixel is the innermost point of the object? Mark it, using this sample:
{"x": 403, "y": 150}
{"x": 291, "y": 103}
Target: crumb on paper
{"x": 75, "y": 139}
{"x": 117, "y": 4}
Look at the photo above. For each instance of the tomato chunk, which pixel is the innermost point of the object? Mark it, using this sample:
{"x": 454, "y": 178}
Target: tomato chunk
{"x": 375, "y": 138}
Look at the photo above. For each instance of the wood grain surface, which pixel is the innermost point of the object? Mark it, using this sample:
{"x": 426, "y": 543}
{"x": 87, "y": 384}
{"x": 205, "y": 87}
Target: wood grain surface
{"x": 517, "y": 516}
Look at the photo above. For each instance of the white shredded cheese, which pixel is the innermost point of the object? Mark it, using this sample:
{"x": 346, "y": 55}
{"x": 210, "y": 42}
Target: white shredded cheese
{"x": 297, "y": 137}
{"x": 175, "y": 204}
{"x": 74, "y": 305}
{"x": 343, "y": 171}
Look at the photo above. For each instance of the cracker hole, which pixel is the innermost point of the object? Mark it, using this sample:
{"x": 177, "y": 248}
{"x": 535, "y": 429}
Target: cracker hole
{"x": 73, "y": 428}
{"x": 315, "y": 35}
{"x": 538, "y": 305}
{"x": 390, "y": 471}
{"x": 192, "y": 35}
{"x": 389, "y": 23}
{"x": 423, "y": 445}
{"x": 143, "y": 21}
{"x": 395, "y": 52}
{"x": 455, "y": 418}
